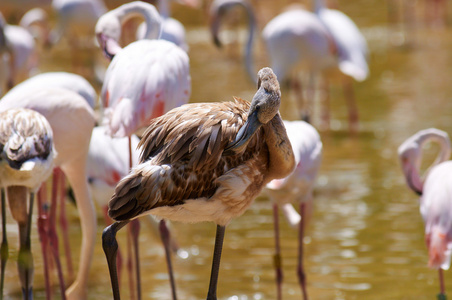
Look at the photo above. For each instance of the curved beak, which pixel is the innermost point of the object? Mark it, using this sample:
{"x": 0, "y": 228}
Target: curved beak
{"x": 243, "y": 136}
{"x": 109, "y": 46}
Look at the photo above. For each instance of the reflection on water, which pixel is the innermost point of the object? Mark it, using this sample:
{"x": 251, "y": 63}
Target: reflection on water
{"x": 365, "y": 240}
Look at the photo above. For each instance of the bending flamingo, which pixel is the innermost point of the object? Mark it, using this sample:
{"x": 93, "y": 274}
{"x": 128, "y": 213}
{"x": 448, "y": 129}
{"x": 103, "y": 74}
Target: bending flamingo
{"x": 26, "y": 160}
{"x": 108, "y": 162}
{"x": 204, "y": 162}
{"x": 435, "y": 191}
{"x": 296, "y": 188}
{"x": 72, "y": 121}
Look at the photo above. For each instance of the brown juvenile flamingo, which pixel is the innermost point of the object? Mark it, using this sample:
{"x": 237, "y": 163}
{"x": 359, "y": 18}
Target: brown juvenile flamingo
{"x": 72, "y": 121}
{"x": 26, "y": 160}
{"x": 204, "y": 162}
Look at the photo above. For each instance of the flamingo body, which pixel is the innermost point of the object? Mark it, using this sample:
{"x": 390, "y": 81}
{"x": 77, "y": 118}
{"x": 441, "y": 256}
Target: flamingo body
{"x": 296, "y": 38}
{"x": 108, "y": 162}
{"x": 143, "y": 81}
{"x": 70, "y": 81}
{"x": 436, "y": 210}
{"x": 351, "y": 45}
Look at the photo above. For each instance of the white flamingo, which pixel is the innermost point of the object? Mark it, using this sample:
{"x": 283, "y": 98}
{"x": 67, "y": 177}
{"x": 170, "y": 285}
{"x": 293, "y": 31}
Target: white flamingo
{"x": 144, "y": 80}
{"x": 20, "y": 59}
{"x": 72, "y": 121}
{"x": 317, "y": 42}
{"x": 27, "y": 160}
{"x": 435, "y": 191}
{"x": 296, "y": 188}
{"x": 204, "y": 162}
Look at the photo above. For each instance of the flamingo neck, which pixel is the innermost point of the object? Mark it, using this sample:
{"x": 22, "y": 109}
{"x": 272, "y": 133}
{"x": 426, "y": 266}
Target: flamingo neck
{"x": 147, "y": 11}
{"x": 319, "y": 5}
{"x": 281, "y": 157}
{"x": 444, "y": 153}
{"x": 249, "y": 45}
{"x": 164, "y": 8}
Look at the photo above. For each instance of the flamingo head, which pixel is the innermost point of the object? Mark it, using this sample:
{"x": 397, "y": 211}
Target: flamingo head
{"x": 108, "y": 33}
{"x": 263, "y": 108}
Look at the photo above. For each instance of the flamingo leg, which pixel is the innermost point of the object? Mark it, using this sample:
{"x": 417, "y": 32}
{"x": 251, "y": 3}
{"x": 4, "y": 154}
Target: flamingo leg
{"x": 53, "y": 237}
{"x": 351, "y": 104}
{"x": 64, "y": 223}
{"x": 134, "y": 227}
{"x": 212, "y": 293}
{"x": 166, "y": 239}
{"x": 300, "y": 269}
{"x": 442, "y": 293}
{"x": 43, "y": 237}
{"x": 4, "y": 254}
{"x": 17, "y": 197}
{"x": 135, "y": 230}
{"x": 119, "y": 255}
{"x": 326, "y": 107}
{"x": 277, "y": 257}
{"x": 110, "y": 246}
{"x": 130, "y": 264}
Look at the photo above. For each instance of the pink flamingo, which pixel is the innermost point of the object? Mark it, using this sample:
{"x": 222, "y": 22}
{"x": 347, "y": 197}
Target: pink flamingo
{"x": 160, "y": 81}
{"x": 72, "y": 121}
{"x": 435, "y": 190}
{"x": 297, "y": 187}
{"x": 204, "y": 162}
{"x": 27, "y": 159}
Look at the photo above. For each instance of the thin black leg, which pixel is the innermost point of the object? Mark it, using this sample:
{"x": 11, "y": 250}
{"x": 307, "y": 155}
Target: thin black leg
{"x": 212, "y": 294}
{"x": 110, "y": 246}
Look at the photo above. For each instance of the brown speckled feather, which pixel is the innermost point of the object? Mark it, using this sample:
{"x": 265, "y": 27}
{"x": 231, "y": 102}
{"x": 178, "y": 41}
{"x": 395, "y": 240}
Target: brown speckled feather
{"x": 182, "y": 157}
{"x": 24, "y": 135}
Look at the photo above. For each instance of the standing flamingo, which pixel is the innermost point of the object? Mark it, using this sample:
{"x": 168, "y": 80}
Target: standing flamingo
{"x": 204, "y": 162}
{"x": 72, "y": 121}
{"x": 435, "y": 191}
{"x": 327, "y": 39}
{"x": 144, "y": 80}
{"x": 26, "y": 161}
{"x": 297, "y": 187}
{"x": 76, "y": 19}
{"x": 21, "y": 60}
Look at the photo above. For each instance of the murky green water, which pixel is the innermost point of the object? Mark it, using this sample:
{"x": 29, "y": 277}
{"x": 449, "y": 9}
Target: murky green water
{"x": 366, "y": 238}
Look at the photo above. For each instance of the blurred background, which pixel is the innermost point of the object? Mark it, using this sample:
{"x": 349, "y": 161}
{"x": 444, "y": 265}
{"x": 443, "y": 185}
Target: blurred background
{"x": 366, "y": 237}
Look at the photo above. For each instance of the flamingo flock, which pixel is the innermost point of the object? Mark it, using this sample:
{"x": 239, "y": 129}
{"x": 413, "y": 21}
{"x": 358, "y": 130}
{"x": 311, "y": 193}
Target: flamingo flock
{"x": 132, "y": 141}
